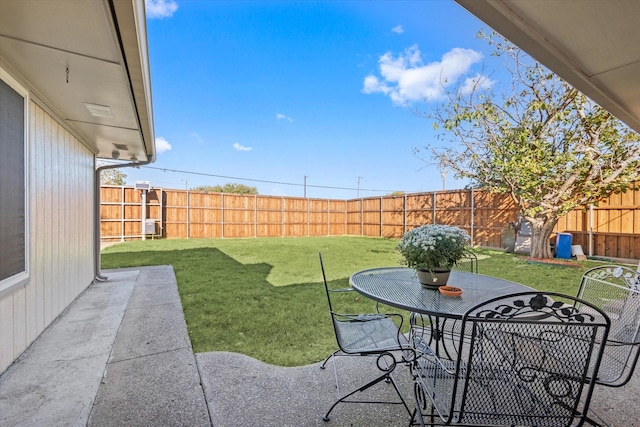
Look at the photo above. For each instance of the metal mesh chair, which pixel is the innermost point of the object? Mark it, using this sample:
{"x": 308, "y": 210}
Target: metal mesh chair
{"x": 616, "y": 290}
{"x": 468, "y": 263}
{"x": 375, "y": 335}
{"x": 529, "y": 360}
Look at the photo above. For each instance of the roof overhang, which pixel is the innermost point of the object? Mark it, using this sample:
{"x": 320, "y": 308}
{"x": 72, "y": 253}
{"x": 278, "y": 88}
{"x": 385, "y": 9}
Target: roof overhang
{"x": 592, "y": 44}
{"x": 88, "y": 62}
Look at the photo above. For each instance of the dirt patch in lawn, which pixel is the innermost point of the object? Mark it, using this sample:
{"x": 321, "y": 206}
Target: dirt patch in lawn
{"x": 554, "y": 262}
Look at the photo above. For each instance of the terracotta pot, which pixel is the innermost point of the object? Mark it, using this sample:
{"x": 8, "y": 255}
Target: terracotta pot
{"x": 450, "y": 291}
{"x": 434, "y": 278}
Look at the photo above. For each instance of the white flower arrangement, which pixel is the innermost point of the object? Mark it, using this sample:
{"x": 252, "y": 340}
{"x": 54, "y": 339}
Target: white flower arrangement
{"x": 429, "y": 247}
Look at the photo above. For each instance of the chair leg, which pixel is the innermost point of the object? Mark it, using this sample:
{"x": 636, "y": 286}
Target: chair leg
{"x": 416, "y": 416}
{"x": 386, "y": 376}
{"x": 324, "y": 364}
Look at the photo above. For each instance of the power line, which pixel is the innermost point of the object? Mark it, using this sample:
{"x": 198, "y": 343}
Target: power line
{"x": 265, "y": 181}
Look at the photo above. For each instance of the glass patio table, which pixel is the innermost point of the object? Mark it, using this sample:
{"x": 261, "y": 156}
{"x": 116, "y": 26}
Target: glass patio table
{"x": 399, "y": 287}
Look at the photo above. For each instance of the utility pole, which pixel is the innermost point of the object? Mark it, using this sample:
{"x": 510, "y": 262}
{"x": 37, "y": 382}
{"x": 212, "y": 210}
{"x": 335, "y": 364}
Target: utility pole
{"x": 305, "y": 186}
{"x": 443, "y": 174}
{"x": 358, "y": 193}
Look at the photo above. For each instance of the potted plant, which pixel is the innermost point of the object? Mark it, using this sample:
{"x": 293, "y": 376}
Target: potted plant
{"x": 432, "y": 250}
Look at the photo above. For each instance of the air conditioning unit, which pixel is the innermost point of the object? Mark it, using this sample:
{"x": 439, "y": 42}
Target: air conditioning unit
{"x": 143, "y": 185}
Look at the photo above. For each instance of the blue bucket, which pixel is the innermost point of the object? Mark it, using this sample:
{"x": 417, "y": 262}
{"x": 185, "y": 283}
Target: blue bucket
{"x": 563, "y": 245}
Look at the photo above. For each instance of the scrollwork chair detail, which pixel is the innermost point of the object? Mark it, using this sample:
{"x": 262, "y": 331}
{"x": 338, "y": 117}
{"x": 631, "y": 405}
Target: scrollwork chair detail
{"x": 526, "y": 359}
{"x": 616, "y": 290}
{"x": 373, "y": 335}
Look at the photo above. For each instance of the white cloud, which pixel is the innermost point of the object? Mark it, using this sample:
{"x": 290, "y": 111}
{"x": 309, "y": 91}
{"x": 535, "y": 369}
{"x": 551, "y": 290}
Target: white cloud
{"x": 160, "y": 8}
{"x": 280, "y": 116}
{"x": 162, "y": 145}
{"x": 406, "y": 79}
{"x": 398, "y": 29}
{"x": 239, "y": 147}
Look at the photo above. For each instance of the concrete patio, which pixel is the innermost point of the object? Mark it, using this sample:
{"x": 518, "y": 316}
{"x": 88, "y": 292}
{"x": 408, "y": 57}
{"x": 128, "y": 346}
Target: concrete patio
{"x": 120, "y": 355}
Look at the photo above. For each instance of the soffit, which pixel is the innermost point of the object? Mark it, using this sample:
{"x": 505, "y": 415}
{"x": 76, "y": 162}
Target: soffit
{"x": 105, "y": 54}
{"x": 592, "y": 44}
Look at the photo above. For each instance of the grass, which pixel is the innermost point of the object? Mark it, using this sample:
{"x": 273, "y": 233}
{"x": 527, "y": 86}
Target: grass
{"x": 264, "y": 297}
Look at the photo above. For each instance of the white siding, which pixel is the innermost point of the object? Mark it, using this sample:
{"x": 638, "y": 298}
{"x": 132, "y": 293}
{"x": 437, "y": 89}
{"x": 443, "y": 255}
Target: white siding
{"x": 61, "y": 234}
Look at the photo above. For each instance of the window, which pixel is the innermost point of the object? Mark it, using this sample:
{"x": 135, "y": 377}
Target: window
{"x": 14, "y": 267}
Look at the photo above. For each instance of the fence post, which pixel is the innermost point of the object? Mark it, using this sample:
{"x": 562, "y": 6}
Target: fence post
{"x": 346, "y": 212}
{"x": 591, "y": 230}
{"x": 122, "y": 212}
{"x": 188, "y": 214}
{"x": 434, "y": 207}
{"x": 160, "y": 203}
{"x": 308, "y": 219}
{"x": 404, "y": 214}
{"x": 362, "y": 217}
{"x": 381, "y": 212}
{"x": 473, "y": 207}
{"x": 329, "y": 218}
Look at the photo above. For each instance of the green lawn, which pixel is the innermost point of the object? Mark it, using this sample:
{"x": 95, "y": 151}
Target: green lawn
{"x": 264, "y": 297}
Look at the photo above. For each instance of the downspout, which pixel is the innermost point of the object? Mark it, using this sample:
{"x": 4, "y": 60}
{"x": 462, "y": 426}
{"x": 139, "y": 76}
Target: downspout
{"x": 96, "y": 211}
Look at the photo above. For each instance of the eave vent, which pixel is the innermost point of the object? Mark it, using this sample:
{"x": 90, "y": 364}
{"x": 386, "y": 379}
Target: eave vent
{"x": 103, "y": 111}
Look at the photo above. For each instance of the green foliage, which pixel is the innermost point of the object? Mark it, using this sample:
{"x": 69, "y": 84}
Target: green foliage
{"x": 264, "y": 297}
{"x": 544, "y": 143}
{"x": 112, "y": 177}
{"x": 229, "y": 187}
{"x": 432, "y": 246}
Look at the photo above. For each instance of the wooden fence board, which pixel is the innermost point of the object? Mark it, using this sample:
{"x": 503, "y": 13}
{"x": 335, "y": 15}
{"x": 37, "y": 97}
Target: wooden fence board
{"x": 194, "y": 214}
{"x": 110, "y": 194}
{"x": 175, "y": 230}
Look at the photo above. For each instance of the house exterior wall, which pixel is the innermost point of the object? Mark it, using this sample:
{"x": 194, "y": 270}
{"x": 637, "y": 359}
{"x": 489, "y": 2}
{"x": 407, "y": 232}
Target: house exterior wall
{"x": 60, "y": 194}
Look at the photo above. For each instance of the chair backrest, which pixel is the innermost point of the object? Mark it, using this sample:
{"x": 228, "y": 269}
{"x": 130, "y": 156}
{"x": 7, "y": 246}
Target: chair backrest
{"x": 364, "y": 333}
{"x": 329, "y": 291}
{"x": 468, "y": 263}
{"x": 529, "y": 361}
{"x": 324, "y": 279}
{"x": 616, "y": 290}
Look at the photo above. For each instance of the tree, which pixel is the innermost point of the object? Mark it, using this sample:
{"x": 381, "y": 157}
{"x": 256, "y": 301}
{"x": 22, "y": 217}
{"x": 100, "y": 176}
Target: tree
{"x": 542, "y": 142}
{"x": 112, "y": 177}
{"x": 229, "y": 187}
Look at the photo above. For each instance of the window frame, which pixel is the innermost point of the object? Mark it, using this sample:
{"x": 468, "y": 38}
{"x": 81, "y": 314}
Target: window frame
{"x": 21, "y": 279}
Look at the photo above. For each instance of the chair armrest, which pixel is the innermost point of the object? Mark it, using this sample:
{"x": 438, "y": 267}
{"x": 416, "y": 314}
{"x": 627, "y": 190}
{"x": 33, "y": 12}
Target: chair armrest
{"x": 424, "y": 351}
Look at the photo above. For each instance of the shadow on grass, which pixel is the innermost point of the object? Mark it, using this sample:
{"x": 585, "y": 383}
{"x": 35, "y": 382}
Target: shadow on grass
{"x": 231, "y": 306}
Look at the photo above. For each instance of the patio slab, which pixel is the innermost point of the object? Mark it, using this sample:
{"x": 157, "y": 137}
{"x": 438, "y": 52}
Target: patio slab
{"x": 120, "y": 355}
{"x": 242, "y": 391}
{"x": 145, "y": 332}
{"x": 152, "y": 390}
{"x": 55, "y": 380}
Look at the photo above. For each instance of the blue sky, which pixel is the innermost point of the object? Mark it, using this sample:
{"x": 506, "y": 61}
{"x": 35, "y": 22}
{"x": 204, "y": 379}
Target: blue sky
{"x": 265, "y": 93}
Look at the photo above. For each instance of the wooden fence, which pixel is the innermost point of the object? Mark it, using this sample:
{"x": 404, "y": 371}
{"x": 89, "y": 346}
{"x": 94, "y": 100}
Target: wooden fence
{"x": 610, "y": 229}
